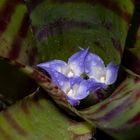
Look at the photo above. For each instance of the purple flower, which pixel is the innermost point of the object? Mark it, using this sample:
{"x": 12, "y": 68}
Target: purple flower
{"x": 75, "y": 88}
{"x": 95, "y": 69}
{"x": 68, "y": 76}
{"x": 74, "y": 67}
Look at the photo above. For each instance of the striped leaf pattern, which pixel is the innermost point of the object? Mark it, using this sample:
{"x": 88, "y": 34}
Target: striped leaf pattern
{"x": 16, "y": 38}
{"x": 16, "y": 43}
{"x": 119, "y": 115}
{"x": 36, "y": 117}
{"x": 33, "y": 31}
{"x": 60, "y": 26}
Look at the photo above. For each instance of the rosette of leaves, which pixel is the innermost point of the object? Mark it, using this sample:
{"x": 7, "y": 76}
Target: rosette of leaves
{"x": 35, "y": 31}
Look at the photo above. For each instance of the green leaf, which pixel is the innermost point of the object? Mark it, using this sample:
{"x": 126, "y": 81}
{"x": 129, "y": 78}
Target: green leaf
{"x": 14, "y": 84}
{"x": 16, "y": 43}
{"x": 36, "y": 117}
{"x": 120, "y": 112}
{"x": 131, "y": 57}
{"x": 16, "y": 38}
{"x": 60, "y": 27}
{"x": 81, "y": 128}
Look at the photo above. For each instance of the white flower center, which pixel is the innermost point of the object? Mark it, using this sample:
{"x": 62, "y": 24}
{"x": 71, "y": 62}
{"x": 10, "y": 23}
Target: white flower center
{"x": 102, "y": 79}
{"x": 70, "y": 73}
{"x": 70, "y": 92}
{"x": 67, "y": 71}
{"x": 99, "y": 74}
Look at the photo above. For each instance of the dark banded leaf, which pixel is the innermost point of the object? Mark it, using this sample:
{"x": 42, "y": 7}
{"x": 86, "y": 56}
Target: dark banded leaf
{"x": 119, "y": 115}
{"x": 16, "y": 39}
{"x": 60, "y": 27}
{"x": 16, "y": 43}
{"x": 36, "y": 117}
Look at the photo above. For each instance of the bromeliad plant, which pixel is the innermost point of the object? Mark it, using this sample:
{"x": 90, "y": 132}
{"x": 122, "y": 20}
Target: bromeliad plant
{"x": 69, "y": 76}
{"x": 35, "y": 32}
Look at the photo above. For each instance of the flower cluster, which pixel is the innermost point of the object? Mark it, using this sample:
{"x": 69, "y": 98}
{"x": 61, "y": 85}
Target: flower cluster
{"x": 69, "y": 77}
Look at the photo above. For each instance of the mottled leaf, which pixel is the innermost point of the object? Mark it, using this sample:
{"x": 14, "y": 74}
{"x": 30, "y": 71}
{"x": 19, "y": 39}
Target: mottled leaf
{"x": 16, "y": 39}
{"x": 60, "y": 27}
{"x": 36, "y": 117}
{"x": 119, "y": 114}
{"x": 16, "y": 43}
